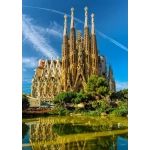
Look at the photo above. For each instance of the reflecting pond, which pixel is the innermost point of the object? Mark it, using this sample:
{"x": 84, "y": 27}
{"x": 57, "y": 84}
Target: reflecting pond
{"x": 75, "y": 133}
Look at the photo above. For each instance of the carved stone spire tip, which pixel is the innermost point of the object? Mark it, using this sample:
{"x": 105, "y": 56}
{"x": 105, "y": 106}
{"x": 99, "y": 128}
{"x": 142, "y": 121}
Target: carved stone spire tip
{"x": 72, "y": 18}
{"x": 72, "y": 9}
{"x": 65, "y": 16}
{"x": 86, "y": 8}
{"x": 92, "y": 15}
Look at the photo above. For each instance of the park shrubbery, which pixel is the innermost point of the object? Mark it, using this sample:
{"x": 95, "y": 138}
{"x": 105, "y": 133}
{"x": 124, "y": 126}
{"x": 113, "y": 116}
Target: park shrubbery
{"x": 61, "y": 111}
{"x": 94, "y": 99}
{"x": 97, "y": 99}
{"x": 122, "y": 109}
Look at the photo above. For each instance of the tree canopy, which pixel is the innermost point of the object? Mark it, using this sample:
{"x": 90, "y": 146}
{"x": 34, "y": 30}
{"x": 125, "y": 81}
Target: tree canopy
{"x": 97, "y": 85}
{"x": 64, "y": 97}
{"x": 121, "y": 95}
{"x": 96, "y": 98}
{"x": 79, "y": 98}
{"x": 25, "y": 102}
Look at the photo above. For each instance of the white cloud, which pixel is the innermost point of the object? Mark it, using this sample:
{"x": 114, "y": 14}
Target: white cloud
{"x": 29, "y": 62}
{"x": 113, "y": 41}
{"x": 55, "y": 29}
{"x": 121, "y": 85}
{"x": 35, "y": 35}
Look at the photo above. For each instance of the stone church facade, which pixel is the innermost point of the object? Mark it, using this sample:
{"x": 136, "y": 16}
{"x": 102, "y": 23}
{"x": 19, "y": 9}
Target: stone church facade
{"x": 80, "y": 59}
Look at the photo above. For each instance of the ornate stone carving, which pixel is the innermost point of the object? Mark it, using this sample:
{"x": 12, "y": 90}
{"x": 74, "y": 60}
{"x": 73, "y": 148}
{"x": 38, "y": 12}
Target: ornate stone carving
{"x": 80, "y": 59}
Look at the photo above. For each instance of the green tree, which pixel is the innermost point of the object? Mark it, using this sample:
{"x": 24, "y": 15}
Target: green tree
{"x": 122, "y": 95}
{"x": 92, "y": 84}
{"x": 88, "y": 96}
{"x": 95, "y": 104}
{"x": 83, "y": 96}
{"x": 102, "y": 87}
{"x": 102, "y": 91}
{"x": 79, "y": 98}
{"x": 63, "y": 98}
{"x": 104, "y": 106}
{"x": 122, "y": 109}
{"x": 113, "y": 96}
{"x": 25, "y": 102}
{"x": 97, "y": 86}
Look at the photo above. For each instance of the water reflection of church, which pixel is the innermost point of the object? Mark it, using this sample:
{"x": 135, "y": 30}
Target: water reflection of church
{"x": 50, "y": 134}
{"x": 41, "y": 133}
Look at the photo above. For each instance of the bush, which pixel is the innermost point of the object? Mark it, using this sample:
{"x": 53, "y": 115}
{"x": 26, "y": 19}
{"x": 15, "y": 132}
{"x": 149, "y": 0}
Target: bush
{"x": 104, "y": 107}
{"x": 121, "y": 110}
{"x": 64, "y": 97}
{"x": 77, "y": 110}
{"x": 92, "y": 113}
{"x": 117, "y": 112}
{"x": 61, "y": 111}
{"x": 95, "y": 113}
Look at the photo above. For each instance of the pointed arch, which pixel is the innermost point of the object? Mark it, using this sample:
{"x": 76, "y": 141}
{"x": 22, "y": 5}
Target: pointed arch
{"x": 80, "y": 83}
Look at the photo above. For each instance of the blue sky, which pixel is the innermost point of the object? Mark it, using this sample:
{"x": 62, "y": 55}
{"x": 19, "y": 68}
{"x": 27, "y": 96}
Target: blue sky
{"x": 42, "y": 28}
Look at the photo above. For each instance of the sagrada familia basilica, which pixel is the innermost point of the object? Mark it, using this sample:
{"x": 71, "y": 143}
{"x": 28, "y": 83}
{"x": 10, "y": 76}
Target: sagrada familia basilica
{"x": 80, "y": 59}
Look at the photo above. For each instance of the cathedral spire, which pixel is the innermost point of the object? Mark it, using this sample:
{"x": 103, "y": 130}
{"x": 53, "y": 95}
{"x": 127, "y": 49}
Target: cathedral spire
{"x": 86, "y": 17}
{"x": 110, "y": 75}
{"x": 65, "y": 25}
{"x": 93, "y": 29}
{"x": 72, "y": 18}
{"x": 46, "y": 62}
{"x": 111, "y": 81}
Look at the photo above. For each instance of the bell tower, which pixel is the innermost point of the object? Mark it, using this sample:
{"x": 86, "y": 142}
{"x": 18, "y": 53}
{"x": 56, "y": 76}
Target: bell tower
{"x": 73, "y": 53}
{"x": 87, "y": 45}
{"x": 65, "y": 55}
{"x": 111, "y": 81}
{"x": 94, "y": 50}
